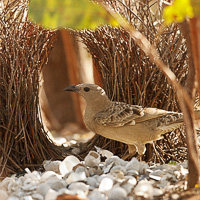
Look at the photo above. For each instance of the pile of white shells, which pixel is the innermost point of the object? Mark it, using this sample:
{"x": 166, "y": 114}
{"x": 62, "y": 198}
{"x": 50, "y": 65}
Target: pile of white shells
{"x": 114, "y": 179}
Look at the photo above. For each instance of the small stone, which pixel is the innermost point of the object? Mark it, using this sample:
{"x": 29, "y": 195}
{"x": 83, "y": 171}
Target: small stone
{"x": 128, "y": 187}
{"x": 116, "y": 161}
{"x": 144, "y": 188}
{"x": 96, "y": 170}
{"x": 104, "y": 153}
{"x": 43, "y": 189}
{"x": 156, "y": 178}
{"x": 117, "y": 193}
{"x": 79, "y": 186}
{"x": 49, "y": 174}
{"x": 13, "y": 198}
{"x": 175, "y": 196}
{"x": 81, "y": 168}
{"x": 52, "y": 165}
{"x": 96, "y": 195}
{"x": 27, "y": 198}
{"x": 3, "y": 195}
{"x": 158, "y": 172}
{"x": 91, "y": 181}
{"x": 74, "y": 177}
{"x": 134, "y": 164}
{"x": 132, "y": 172}
{"x": 67, "y": 164}
{"x": 51, "y": 195}
{"x": 157, "y": 192}
{"x": 92, "y": 159}
{"x": 132, "y": 181}
{"x": 117, "y": 168}
{"x": 37, "y": 196}
{"x": 105, "y": 184}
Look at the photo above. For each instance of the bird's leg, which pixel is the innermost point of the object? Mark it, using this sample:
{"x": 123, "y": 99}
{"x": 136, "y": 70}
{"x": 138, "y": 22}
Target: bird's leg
{"x": 132, "y": 150}
{"x": 141, "y": 150}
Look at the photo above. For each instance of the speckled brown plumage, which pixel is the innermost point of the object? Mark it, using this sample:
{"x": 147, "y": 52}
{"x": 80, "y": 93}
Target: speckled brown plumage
{"x": 130, "y": 124}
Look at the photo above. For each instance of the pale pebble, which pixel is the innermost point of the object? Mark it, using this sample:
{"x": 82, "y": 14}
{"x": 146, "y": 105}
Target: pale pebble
{"x": 105, "y": 184}
{"x": 52, "y": 165}
{"x": 96, "y": 195}
{"x": 67, "y": 164}
{"x": 92, "y": 159}
{"x": 73, "y": 177}
{"x": 79, "y": 186}
{"x": 37, "y": 196}
{"x": 43, "y": 189}
{"x": 91, "y": 181}
{"x": 3, "y": 195}
{"x": 117, "y": 193}
{"x": 51, "y": 195}
{"x": 116, "y": 161}
{"x": 144, "y": 188}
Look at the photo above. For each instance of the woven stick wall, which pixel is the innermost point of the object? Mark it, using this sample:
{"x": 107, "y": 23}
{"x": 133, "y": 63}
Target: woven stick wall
{"x": 24, "y": 50}
{"x": 129, "y": 76}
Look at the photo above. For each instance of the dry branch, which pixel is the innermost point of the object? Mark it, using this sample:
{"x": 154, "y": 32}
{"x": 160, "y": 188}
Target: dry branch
{"x": 129, "y": 75}
{"x": 24, "y": 50}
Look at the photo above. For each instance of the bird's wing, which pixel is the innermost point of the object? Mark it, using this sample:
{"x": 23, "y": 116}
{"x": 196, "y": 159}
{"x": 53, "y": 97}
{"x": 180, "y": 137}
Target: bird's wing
{"x": 119, "y": 114}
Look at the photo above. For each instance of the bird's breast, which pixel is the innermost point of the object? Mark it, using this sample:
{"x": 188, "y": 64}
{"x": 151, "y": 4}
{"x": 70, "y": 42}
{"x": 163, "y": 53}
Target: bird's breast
{"x": 89, "y": 121}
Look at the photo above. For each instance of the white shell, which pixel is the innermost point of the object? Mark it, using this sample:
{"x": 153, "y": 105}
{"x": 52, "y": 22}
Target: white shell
{"x": 81, "y": 168}
{"x": 73, "y": 177}
{"x": 117, "y": 193}
{"x": 27, "y": 198}
{"x": 67, "y": 164}
{"x": 96, "y": 195}
{"x": 56, "y": 184}
{"x": 134, "y": 164}
{"x": 51, "y": 195}
{"x": 3, "y": 195}
{"x": 132, "y": 172}
{"x": 95, "y": 170}
{"x": 37, "y": 196}
{"x": 91, "y": 181}
{"x": 52, "y": 165}
{"x": 32, "y": 175}
{"x": 132, "y": 181}
{"x": 43, "y": 189}
{"x": 104, "y": 153}
{"x": 105, "y": 184}
{"x": 49, "y": 174}
{"x": 157, "y": 192}
{"x": 4, "y": 184}
{"x": 13, "y": 198}
{"x": 92, "y": 159}
{"x": 116, "y": 161}
{"x": 79, "y": 186}
{"x": 144, "y": 188}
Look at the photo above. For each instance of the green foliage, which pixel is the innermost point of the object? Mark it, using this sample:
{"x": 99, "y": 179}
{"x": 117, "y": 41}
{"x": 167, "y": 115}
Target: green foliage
{"x": 172, "y": 162}
{"x": 178, "y": 11}
{"x": 76, "y": 14}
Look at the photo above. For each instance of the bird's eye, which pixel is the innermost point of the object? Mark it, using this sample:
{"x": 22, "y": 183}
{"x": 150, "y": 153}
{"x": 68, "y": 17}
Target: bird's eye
{"x": 86, "y": 89}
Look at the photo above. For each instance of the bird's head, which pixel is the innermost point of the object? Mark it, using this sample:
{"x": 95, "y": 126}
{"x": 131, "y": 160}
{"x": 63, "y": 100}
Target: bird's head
{"x": 91, "y": 92}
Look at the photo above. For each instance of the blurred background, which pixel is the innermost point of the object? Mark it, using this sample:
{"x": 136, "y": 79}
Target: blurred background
{"x": 69, "y": 63}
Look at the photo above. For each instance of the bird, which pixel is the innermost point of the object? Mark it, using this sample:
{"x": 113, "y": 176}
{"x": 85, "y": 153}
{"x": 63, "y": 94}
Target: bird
{"x": 133, "y": 125}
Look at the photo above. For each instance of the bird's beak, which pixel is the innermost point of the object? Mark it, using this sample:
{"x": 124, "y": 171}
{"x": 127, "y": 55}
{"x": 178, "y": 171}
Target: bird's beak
{"x": 71, "y": 88}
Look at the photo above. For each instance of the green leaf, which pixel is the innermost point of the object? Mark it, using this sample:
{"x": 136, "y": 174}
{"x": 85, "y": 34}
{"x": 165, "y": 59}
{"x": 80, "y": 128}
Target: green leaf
{"x": 172, "y": 162}
{"x": 77, "y": 14}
